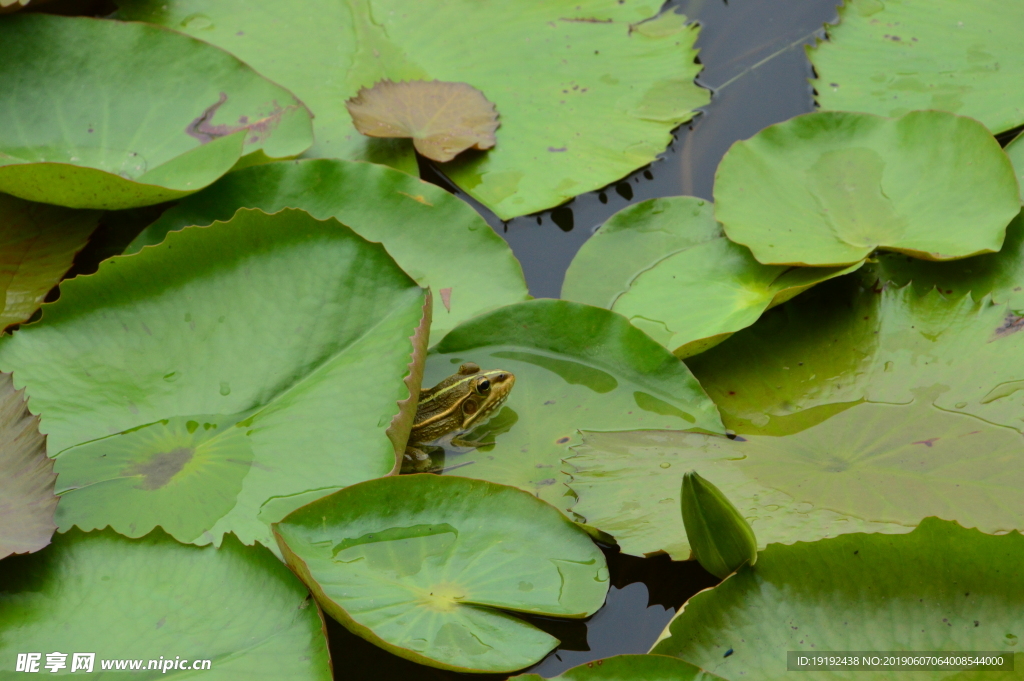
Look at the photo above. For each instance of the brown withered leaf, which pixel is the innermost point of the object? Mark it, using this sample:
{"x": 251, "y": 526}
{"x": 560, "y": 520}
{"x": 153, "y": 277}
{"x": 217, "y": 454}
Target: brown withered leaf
{"x": 27, "y": 479}
{"x": 443, "y": 119}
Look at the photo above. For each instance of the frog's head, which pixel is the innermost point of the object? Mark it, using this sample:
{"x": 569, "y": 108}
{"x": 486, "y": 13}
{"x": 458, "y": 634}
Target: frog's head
{"x": 485, "y": 391}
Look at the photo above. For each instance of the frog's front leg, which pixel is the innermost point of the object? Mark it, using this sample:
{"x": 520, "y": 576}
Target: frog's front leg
{"x": 415, "y": 454}
{"x": 416, "y": 460}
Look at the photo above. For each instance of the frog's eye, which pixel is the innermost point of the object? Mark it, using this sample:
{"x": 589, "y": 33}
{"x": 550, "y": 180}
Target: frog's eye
{"x": 483, "y": 386}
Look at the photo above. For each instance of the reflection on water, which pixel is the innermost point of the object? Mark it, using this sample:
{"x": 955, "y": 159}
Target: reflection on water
{"x": 754, "y": 63}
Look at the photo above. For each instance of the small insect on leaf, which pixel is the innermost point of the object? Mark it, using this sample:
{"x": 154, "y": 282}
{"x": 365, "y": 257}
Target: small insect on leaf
{"x": 443, "y": 119}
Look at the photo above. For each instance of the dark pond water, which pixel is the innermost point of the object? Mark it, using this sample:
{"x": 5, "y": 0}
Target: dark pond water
{"x": 755, "y": 65}
{"x": 757, "y": 69}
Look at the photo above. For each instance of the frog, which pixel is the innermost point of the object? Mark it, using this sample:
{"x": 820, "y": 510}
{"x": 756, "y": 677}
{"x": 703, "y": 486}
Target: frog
{"x": 451, "y": 408}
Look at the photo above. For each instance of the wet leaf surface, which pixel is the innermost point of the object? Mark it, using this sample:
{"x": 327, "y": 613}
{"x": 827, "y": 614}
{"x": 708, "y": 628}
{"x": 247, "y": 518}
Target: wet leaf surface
{"x": 163, "y": 407}
{"x": 941, "y": 588}
{"x": 829, "y": 188}
{"x": 639, "y": 236}
{"x": 576, "y": 367}
{"x": 952, "y": 56}
{"x": 853, "y": 339}
{"x": 149, "y": 116}
{"x": 628, "y": 487}
{"x": 860, "y": 409}
{"x": 997, "y": 275}
{"x": 437, "y": 239}
{"x": 442, "y": 119}
{"x": 152, "y": 598}
{"x": 667, "y": 268}
{"x": 27, "y": 500}
{"x": 430, "y": 567}
{"x": 587, "y": 68}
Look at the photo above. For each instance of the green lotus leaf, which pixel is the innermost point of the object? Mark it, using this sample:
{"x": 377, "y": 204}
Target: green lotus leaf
{"x": 697, "y": 298}
{"x": 437, "y": 239}
{"x": 37, "y": 244}
{"x": 850, "y": 341}
{"x": 106, "y": 114}
{"x": 187, "y": 384}
{"x": 950, "y": 55}
{"x": 859, "y": 409}
{"x": 859, "y": 592}
{"x": 633, "y": 241}
{"x": 428, "y": 567}
{"x": 666, "y": 267}
{"x": 576, "y": 367}
{"x": 630, "y": 668}
{"x": 998, "y": 276}
{"x": 26, "y": 477}
{"x": 829, "y": 188}
{"x": 153, "y": 599}
{"x": 1015, "y": 150}
{"x": 627, "y": 485}
{"x": 588, "y": 68}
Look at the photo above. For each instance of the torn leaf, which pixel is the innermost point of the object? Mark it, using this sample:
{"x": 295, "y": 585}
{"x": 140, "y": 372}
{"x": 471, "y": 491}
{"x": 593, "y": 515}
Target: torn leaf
{"x": 443, "y": 119}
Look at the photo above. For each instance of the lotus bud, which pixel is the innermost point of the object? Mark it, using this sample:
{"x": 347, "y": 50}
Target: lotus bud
{"x": 721, "y": 539}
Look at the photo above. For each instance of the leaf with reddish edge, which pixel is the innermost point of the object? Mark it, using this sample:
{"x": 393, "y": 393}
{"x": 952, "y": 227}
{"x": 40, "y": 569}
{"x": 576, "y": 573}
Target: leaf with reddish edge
{"x": 401, "y": 423}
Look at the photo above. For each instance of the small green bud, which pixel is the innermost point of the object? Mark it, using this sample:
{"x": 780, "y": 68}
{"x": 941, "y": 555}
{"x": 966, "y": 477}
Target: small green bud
{"x": 721, "y": 538}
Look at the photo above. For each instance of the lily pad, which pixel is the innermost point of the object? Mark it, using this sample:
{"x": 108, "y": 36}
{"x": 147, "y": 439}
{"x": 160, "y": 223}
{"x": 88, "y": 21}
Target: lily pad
{"x": 953, "y": 56}
{"x": 237, "y": 607}
{"x": 37, "y": 245}
{"x": 27, "y": 500}
{"x": 117, "y": 115}
{"x": 630, "y": 668}
{"x": 665, "y": 266}
{"x": 697, "y": 298}
{"x": 848, "y": 341}
{"x": 178, "y": 385}
{"x": 855, "y": 404}
{"x": 1015, "y": 150}
{"x": 829, "y": 188}
{"x": 436, "y": 238}
{"x": 627, "y": 486}
{"x": 588, "y": 68}
{"x": 1000, "y": 276}
{"x": 859, "y": 592}
{"x": 634, "y": 240}
{"x": 428, "y": 567}
{"x": 442, "y": 119}
{"x": 576, "y": 367}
